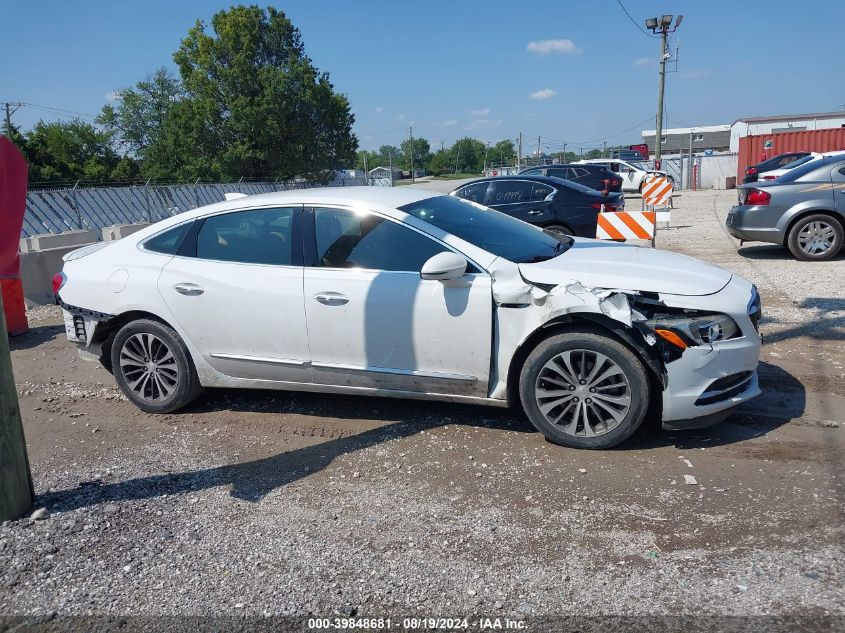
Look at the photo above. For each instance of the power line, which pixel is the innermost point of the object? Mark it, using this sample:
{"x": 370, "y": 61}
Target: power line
{"x": 635, "y": 23}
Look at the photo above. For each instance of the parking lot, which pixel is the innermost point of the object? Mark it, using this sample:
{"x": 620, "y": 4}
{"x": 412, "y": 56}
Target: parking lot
{"x": 267, "y": 503}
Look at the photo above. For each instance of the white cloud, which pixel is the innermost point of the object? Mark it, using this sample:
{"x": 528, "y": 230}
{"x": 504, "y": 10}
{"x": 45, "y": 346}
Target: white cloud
{"x": 481, "y": 112}
{"x": 641, "y": 62}
{"x": 540, "y": 95}
{"x": 695, "y": 74}
{"x": 379, "y": 109}
{"x": 483, "y": 124}
{"x": 112, "y": 95}
{"x": 449, "y": 123}
{"x": 544, "y": 47}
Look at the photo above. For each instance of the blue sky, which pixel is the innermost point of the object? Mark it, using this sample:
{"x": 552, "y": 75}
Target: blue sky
{"x": 464, "y": 67}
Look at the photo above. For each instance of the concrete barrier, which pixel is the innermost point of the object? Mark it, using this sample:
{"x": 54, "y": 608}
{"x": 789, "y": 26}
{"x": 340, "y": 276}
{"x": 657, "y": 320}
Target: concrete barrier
{"x": 44, "y": 241}
{"x": 119, "y": 231}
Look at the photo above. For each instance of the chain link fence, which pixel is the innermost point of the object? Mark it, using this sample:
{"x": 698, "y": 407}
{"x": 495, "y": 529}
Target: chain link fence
{"x": 59, "y": 210}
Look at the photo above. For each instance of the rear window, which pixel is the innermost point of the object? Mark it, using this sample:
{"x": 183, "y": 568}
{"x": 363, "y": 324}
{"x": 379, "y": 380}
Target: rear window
{"x": 822, "y": 165}
{"x": 168, "y": 243}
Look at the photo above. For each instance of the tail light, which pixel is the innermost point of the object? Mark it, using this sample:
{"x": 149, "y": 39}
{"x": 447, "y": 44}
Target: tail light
{"x": 769, "y": 177}
{"x": 59, "y": 280}
{"x": 758, "y": 197}
{"x": 750, "y": 171}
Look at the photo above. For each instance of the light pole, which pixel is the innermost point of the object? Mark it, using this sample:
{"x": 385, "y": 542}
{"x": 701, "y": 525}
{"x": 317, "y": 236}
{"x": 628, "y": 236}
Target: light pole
{"x": 664, "y": 27}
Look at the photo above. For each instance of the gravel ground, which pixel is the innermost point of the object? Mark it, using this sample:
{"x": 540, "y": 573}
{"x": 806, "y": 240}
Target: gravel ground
{"x": 274, "y": 504}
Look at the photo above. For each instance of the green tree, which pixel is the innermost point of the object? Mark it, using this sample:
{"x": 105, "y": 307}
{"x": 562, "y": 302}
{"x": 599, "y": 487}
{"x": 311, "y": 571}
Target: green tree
{"x": 469, "y": 155}
{"x": 441, "y": 162}
{"x": 421, "y": 150}
{"x": 139, "y": 118}
{"x": 502, "y": 153}
{"x": 373, "y": 159}
{"x": 68, "y": 151}
{"x": 255, "y": 105}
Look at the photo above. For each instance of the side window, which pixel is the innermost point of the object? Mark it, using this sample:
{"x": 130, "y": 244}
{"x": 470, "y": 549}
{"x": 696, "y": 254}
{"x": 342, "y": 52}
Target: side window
{"x": 474, "y": 192}
{"x": 787, "y": 159}
{"x": 578, "y": 173}
{"x": 350, "y": 240}
{"x": 565, "y": 173}
{"x": 615, "y": 167}
{"x": 837, "y": 175}
{"x": 510, "y": 191}
{"x": 539, "y": 192}
{"x": 534, "y": 172}
{"x": 260, "y": 236}
{"x": 168, "y": 242}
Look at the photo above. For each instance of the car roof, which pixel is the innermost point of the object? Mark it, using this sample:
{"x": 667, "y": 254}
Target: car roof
{"x": 558, "y": 166}
{"x": 550, "y": 180}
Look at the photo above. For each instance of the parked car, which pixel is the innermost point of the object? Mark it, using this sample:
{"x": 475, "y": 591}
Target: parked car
{"x": 596, "y": 177}
{"x": 633, "y": 176}
{"x": 803, "y": 210}
{"x": 556, "y": 205}
{"x": 777, "y": 173}
{"x": 395, "y": 292}
{"x": 752, "y": 172}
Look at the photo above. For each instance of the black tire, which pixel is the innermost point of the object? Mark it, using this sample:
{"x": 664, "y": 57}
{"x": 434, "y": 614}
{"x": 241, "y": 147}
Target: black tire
{"x": 171, "y": 385}
{"x": 584, "y": 346}
{"x": 559, "y": 228}
{"x": 813, "y": 226}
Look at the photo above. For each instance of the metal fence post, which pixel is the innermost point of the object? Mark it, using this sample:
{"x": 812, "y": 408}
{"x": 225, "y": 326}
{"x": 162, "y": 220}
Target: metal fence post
{"x": 196, "y": 194}
{"x": 76, "y": 205}
{"x": 147, "y": 200}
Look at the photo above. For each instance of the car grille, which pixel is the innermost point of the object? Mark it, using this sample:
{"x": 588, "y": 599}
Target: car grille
{"x": 725, "y": 388}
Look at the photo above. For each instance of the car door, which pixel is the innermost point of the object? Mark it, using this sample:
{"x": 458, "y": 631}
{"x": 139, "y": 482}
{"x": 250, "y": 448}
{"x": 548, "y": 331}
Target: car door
{"x": 235, "y": 289}
{"x": 374, "y": 323}
{"x": 522, "y": 200}
{"x": 837, "y": 178}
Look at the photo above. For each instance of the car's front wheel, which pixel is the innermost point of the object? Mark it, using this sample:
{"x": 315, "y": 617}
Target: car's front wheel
{"x": 584, "y": 390}
{"x": 560, "y": 229}
{"x": 817, "y": 237}
{"x": 153, "y": 368}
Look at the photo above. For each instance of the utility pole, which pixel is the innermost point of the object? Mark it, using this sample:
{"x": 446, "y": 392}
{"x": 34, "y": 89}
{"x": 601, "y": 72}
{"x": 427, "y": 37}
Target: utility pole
{"x": 390, "y": 161}
{"x": 519, "y": 154}
{"x": 16, "y": 493}
{"x": 10, "y": 109}
{"x": 604, "y": 149}
{"x": 664, "y": 26}
{"x": 411, "y": 137}
{"x": 486, "y": 149}
{"x": 538, "y": 151}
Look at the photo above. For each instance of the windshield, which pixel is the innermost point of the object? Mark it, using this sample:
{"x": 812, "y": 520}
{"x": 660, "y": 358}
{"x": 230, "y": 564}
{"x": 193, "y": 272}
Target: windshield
{"x": 495, "y": 232}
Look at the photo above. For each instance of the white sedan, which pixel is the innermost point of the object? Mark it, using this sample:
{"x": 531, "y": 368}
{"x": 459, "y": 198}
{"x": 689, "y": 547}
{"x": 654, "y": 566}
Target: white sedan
{"x": 395, "y": 292}
{"x": 774, "y": 174}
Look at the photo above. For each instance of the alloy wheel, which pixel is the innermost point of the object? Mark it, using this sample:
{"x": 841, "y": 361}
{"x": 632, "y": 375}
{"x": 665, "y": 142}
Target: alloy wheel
{"x": 149, "y": 367}
{"x": 816, "y": 237}
{"x": 583, "y": 392}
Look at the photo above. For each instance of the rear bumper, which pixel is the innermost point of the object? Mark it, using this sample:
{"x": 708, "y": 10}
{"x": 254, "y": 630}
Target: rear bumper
{"x": 754, "y": 224}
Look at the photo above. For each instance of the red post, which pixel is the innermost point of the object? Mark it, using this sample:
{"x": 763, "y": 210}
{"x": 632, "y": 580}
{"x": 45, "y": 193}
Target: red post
{"x": 13, "y": 174}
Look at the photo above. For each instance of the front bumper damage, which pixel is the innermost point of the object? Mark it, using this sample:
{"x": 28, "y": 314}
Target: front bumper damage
{"x": 702, "y": 384}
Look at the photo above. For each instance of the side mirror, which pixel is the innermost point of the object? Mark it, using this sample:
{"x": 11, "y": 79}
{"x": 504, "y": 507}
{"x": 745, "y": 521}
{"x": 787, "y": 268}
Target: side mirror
{"x": 443, "y": 266}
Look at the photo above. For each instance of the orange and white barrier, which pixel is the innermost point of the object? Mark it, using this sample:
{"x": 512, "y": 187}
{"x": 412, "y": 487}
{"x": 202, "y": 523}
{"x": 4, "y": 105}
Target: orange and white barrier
{"x": 625, "y": 225}
{"x": 657, "y": 191}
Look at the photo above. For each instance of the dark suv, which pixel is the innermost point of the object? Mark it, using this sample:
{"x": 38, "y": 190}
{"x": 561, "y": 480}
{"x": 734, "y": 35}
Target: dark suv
{"x": 752, "y": 172}
{"x": 596, "y": 177}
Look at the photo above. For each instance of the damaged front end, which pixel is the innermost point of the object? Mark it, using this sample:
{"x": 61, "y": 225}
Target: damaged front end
{"x": 702, "y": 349}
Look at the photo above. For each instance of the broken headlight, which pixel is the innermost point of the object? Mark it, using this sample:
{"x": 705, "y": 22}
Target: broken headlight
{"x": 692, "y": 330}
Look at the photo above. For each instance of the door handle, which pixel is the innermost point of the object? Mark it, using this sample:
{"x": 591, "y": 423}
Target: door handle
{"x": 331, "y": 298}
{"x": 189, "y": 290}
{"x": 535, "y": 212}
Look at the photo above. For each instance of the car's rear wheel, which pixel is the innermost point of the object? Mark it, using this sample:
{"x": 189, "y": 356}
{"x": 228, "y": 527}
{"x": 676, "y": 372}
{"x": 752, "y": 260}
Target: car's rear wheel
{"x": 584, "y": 390}
{"x": 817, "y": 237}
{"x": 153, "y": 368}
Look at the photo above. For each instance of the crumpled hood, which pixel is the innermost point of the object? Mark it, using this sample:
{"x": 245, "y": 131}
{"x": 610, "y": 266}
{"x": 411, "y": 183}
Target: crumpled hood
{"x": 598, "y": 264}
